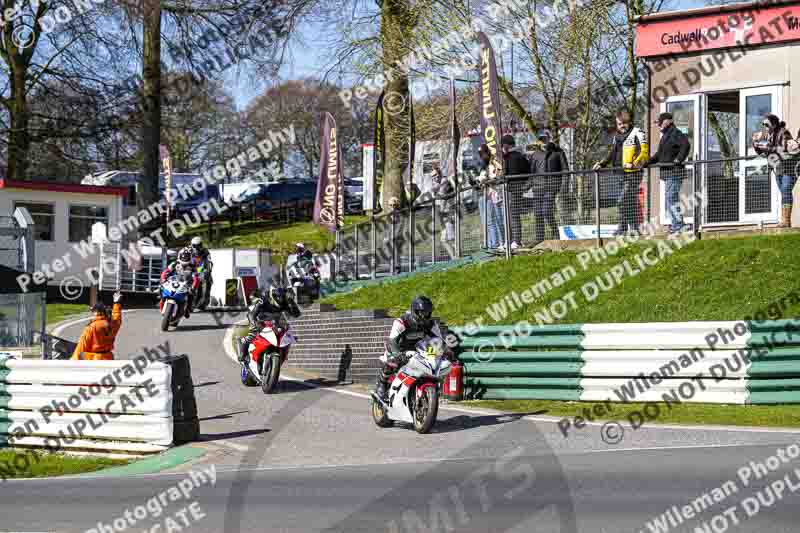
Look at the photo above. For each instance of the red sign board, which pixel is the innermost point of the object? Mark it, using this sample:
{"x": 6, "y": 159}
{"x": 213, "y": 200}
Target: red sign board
{"x": 755, "y": 25}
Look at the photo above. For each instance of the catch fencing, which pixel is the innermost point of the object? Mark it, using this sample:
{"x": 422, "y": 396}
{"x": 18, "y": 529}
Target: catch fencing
{"x": 523, "y": 211}
{"x": 706, "y": 362}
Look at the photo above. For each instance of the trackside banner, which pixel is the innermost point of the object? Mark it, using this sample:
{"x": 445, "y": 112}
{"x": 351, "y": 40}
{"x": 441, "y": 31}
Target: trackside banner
{"x": 329, "y": 204}
{"x": 489, "y": 105}
{"x": 379, "y": 156}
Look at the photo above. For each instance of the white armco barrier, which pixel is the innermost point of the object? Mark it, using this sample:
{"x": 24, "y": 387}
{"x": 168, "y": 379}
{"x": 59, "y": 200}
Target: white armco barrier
{"x": 113, "y": 406}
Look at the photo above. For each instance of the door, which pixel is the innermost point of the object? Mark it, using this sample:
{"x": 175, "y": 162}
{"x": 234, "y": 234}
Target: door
{"x": 687, "y": 114}
{"x": 759, "y": 198}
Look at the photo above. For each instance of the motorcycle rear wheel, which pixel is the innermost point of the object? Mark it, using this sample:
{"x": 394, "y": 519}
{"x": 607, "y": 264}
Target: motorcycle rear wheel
{"x": 379, "y": 415}
{"x": 426, "y": 409}
{"x": 247, "y": 379}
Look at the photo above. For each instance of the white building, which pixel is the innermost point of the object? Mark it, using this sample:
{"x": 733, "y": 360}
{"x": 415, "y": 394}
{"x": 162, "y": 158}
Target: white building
{"x": 63, "y": 215}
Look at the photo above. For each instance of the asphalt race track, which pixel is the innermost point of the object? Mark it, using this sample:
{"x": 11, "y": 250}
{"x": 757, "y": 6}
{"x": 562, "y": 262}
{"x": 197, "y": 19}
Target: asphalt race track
{"x": 311, "y": 459}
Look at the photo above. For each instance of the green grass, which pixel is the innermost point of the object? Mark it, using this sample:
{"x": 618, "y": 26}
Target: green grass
{"x": 29, "y": 463}
{"x": 58, "y": 312}
{"x": 281, "y": 239}
{"x": 720, "y": 279}
{"x": 784, "y": 416}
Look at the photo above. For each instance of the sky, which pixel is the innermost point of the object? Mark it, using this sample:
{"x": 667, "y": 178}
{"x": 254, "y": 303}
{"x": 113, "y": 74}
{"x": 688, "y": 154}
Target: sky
{"x": 306, "y": 59}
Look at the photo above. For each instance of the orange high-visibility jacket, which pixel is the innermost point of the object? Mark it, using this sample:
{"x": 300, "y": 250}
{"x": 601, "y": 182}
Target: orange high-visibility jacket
{"x": 97, "y": 341}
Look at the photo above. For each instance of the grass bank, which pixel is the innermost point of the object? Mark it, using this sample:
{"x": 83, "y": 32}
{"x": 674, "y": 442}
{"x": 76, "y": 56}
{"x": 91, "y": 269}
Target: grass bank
{"x": 62, "y": 311}
{"x": 280, "y": 238}
{"x": 27, "y": 464}
{"x": 783, "y": 416}
{"x": 720, "y": 279}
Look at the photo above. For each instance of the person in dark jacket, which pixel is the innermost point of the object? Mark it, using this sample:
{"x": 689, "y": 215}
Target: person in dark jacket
{"x": 514, "y": 164}
{"x": 544, "y": 188}
{"x": 673, "y": 149}
{"x": 267, "y": 306}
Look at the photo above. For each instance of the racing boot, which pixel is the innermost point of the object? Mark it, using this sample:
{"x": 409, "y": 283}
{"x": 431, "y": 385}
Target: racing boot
{"x": 242, "y": 349}
{"x": 382, "y": 382}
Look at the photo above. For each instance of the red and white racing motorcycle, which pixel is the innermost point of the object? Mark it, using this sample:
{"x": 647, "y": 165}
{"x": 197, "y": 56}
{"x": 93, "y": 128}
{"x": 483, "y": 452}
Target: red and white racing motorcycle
{"x": 266, "y": 354}
{"x": 413, "y": 395}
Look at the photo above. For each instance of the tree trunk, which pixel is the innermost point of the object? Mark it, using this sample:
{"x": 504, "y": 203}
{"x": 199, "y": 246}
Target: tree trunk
{"x": 151, "y": 128}
{"x": 19, "y": 143}
{"x": 397, "y": 23}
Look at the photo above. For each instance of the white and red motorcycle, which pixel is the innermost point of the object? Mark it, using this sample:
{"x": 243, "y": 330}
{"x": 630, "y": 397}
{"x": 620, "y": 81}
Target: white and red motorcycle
{"x": 266, "y": 354}
{"x": 413, "y": 395}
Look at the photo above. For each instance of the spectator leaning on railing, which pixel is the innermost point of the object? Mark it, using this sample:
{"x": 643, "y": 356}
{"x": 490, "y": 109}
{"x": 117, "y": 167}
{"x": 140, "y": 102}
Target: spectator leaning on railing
{"x": 543, "y": 189}
{"x": 491, "y": 205}
{"x": 775, "y": 140}
{"x": 515, "y": 164}
{"x": 673, "y": 149}
{"x": 629, "y": 151}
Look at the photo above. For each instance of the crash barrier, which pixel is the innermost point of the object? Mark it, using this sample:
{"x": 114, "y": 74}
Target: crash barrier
{"x": 111, "y": 406}
{"x": 704, "y": 362}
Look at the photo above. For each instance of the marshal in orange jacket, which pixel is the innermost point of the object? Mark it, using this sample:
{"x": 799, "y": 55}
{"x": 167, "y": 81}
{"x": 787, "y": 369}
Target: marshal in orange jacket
{"x": 97, "y": 341}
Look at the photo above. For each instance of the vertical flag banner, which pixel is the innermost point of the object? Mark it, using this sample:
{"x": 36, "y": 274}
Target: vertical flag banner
{"x": 489, "y": 105}
{"x": 379, "y": 156}
{"x": 455, "y": 133}
{"x": 329, "y": 204}
{"x": 166, "y": 161}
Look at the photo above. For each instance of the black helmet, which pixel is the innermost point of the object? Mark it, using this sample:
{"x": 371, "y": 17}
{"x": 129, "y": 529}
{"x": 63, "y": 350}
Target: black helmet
{"x": 422, "y": 309}
{"x": 100, "y": 307}
{"x": 276, "y": 296}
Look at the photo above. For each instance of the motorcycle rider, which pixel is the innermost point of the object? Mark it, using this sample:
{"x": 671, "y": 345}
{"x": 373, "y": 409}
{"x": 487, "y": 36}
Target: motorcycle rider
{"x": 184, "y": 265}
{"x": 407, "y": 330}
{"x": 269, "y": 305}
{"x": 201, "y": 256}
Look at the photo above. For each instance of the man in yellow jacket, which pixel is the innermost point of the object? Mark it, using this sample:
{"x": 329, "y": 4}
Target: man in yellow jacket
{"x": 97, "y": 341}
{"x": 630, "y": 152}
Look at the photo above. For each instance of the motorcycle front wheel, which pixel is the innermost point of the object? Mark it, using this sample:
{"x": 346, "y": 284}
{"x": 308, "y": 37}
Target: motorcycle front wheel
{"x": 270, "y": 374}
{"x": 166, "y": 318}
{"x": 426, "y": 410}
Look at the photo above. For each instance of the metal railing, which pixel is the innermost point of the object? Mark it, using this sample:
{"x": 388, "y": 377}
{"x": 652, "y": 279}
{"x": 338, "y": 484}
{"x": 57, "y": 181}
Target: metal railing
{"x": 523, "y": 211}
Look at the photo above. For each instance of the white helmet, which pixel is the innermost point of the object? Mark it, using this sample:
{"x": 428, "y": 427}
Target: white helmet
{"x": 197, "y": 242}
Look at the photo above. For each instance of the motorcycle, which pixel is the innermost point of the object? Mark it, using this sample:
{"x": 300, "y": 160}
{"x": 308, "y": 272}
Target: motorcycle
{"x": 413, "y": 395}
{"x": 266, "y": 355}
{"x": 174, "y": 299}
{"x": 204, "y": 289}
{"x": 305, "y": 281}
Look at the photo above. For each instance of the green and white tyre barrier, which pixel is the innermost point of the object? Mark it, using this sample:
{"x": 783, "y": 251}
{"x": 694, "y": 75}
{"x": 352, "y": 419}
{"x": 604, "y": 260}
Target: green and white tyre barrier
{"x": 703, "y": 362}
{"x": 86, "y": 405}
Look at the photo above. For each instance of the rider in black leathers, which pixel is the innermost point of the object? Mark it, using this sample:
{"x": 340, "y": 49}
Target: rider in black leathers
{"x": 269, "y": 305}
{"x": 407, "y": 330}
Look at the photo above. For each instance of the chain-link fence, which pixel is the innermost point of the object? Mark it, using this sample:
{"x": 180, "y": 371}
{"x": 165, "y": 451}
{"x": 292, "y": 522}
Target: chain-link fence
{"x": 520, "y": 212}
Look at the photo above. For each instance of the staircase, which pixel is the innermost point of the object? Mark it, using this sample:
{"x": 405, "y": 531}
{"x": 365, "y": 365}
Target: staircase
{"x": 339, "y": 345}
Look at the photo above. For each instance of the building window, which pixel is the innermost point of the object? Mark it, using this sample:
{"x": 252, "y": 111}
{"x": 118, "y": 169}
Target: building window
{"x": 43, "y": 216}
{"x": 81, "y": 219}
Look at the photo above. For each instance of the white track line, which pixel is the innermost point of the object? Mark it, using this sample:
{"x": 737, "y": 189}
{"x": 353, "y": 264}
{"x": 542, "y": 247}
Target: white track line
{"x": 548, "y": 420}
